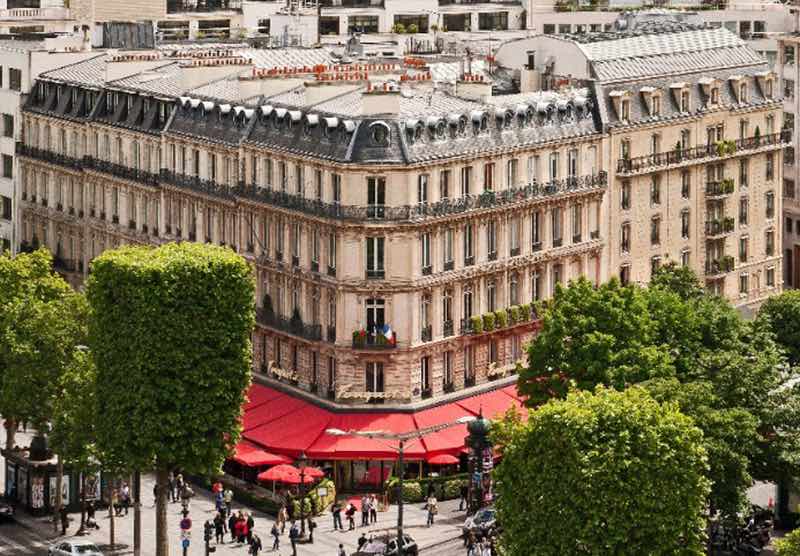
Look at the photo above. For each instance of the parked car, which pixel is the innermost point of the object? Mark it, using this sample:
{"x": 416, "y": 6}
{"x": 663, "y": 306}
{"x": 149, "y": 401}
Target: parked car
{"x": 387, "y": 546}
{"x": 6, "y": 511}
{"x": 484, "y": 521}
{"x": 71, "y": 548}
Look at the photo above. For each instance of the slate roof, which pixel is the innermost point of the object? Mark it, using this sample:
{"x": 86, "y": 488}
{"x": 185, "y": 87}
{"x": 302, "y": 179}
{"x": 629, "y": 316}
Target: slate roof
{"x": 86, "y": 73}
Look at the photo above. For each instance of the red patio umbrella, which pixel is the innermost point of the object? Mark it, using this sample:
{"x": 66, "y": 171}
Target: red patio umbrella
{"x": 315, "y": 472}
{"x": 284, "y": 474}
{"x": 257, "y": 458}
{"x": 443, "y": 459}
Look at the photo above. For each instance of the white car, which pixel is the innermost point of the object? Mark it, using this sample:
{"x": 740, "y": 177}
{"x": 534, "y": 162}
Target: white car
{"x": 73, "y": 547}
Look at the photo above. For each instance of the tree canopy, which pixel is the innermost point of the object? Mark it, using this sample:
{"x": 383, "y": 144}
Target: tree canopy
{"x": 781, "y": 314}
{"x": 684, "y": 346}
{"x": 602, "y": 473}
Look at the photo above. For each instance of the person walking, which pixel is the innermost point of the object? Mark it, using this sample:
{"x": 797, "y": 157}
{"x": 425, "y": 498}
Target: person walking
{"x": 373, "y": 508}
{"x": 171, "y": 487}
{"x": 294, "y": 534}
{"x": 232, "y": 526}
{"x": 219, "y": 528}
{"x": 64, "y": 519}
{"x": 433, "y": 509}
{"x": 364, "y": 511}
{"x": 276, "y": 536}
{"x": 178, "y": 487}
{"x": 362, "y": 540}
{"x": 464, "y": 491}
{"x": 341, "y": 551}
{"x": 227, "y": 498}
{"x": 250, "y": 523}
{"x": 255, "y": 544}
{"x": 283, "y": 517}
{"x": 336, "y": 510}
{"x": 126, "y": 497}
{"x": 350, "y": 513}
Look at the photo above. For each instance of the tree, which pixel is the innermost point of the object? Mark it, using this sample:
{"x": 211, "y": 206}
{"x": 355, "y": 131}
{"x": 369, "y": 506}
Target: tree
{"x": 603, "y": 473}
{"x": 679, "y": 279}
{"x": 170, "y": 335}
{"x": 781, "y": 314}
{"x": 789, "y": 545}
{"x": 27, "y": 276}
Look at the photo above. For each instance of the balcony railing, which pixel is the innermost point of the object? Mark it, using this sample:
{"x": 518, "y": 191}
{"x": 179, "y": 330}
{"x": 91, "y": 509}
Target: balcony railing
{"x": 498, "y": 320}
{"x": 200, "y": 185}
{"x": 48, "y": 156}
{"x": 189, "y": 6}
{"x": 447, "y": 328}
{"x": 486, "y": 200}
{"x": 427, "y": 333}
{"x": 375, "y": 274}
{"x": 719, "y": 188}
{"x": 716, "y": 267}
{"x": 363, "y": 339}
{"x": 295, "y": 327}
{"x": 720, "y": 226}
{"x": 125, "y": 172}
{"x": 717, "y": 150}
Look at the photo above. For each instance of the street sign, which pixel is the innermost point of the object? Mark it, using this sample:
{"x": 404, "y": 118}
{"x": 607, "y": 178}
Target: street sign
{"x": 186, "y": 524}
{"x": 185, "y": 543}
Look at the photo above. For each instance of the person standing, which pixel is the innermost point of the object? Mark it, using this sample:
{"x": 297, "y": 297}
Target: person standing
{"x": 255, "y": 545}
{"x": 64, "y": 519}
{"x": 362, "y": 540}
{"x": 350, "y": 513}
{"x": 171, "y": 486}
{"x": 276, "y": 536}
{"x": 219, "y": 528}
{"x": 463, "y": 500}
{"x": 227, "y": 498}
{"x": 373, "y": 508}
{"x": 126, "y": 497}
{"x": 232, "y": 526}
{"x": 283, "y": 517}
{"x": 294, "y": 534}
{"x": 432, "y": 509}
{"x": 178, "y": 486}
{"x": 364, "y": 511}
{"x": 250, "y": 523}
{"x": 341, "y": 551}
{"x": 336, "y": 510}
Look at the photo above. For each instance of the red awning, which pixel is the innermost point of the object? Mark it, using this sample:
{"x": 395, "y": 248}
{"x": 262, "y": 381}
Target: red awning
{"x": 443, "y": 459}
{"x": 257, "y": 457}
{"x": 281, "y": 424}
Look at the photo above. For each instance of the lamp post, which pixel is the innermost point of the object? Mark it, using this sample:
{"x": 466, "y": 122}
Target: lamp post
{"x": 401, "y": 439}
{"x": 301, "y": 464}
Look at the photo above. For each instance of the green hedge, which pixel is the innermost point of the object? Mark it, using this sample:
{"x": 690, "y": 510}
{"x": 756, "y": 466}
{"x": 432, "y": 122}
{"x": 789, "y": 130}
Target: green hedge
{"x": 241, "y": 495}
{"x": 488, "y": 322}
{"x": 415, "y": 490}
{"x": 513, "y": 314}
{"x": 477, "y": 324}
{"x": 501, "y": 318}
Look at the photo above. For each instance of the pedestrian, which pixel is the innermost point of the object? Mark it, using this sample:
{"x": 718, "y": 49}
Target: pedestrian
{"x": 336, "y": 510}
{"x": 171, "y": 486}
{"x": 362, "y": 540}
{"x": 373, "y": 508}
{"x": 126, "y": 497}
{"x": 115, "y": 502}
{"x": 64, "y": 519}
{"x": 227, "y": 498}
{"x": 311, "y": 526}
{"x": 178, "y": 486}
{"x": 250, "y": 523}
{"x": 283, "y": 517}
{"x": 341, "y": 551}
{"x": 90, "y": 518}
{"x": 255, "y": 545}
{"x": 294, "y": 534}
{"x": 469, "y": 542}
{"x": 463, "y": 492}
{"x": 364, "y": 511}
{"x": 232, "y": 526}
{"x": 219, "y": 528}
{"x": 350, "y": 513}
{"x": 276, "y": 535}
{"x": 433, "y": 509}
{"x": 219, "y": 501}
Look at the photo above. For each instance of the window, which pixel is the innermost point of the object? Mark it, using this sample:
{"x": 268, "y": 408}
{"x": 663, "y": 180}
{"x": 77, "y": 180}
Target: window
{"x": 511, "y": 173}
{"x": 331, "y": 253}
{"x": 625, "y": 112}
{"x": 447, "y": 368}
{"x": 625, "y": 274}
{"x": 425, "y": 316}
{"x": 769, "y": 243}
{"x": 742, "y": 92}
{"x": 536, "y": 231}
{"x": 14, "y": 79}
{"x": 686, "y": 139}
{"x": 685, "y": 101}
{"x": 375, "y": 257}
{"x": 488, "y": 176}
{"x": 376, "y": 197}
{"x": 493, "y": 21}
{"x": 557, "y": 275}
{"x": 513, "y": 236}
{"x": 469, "y": 253}
{"x": 655, "y": 264}
{"x": 770, "y": 278}
{"x": 5, "y": 207}
{"x": 8, "y": 166}
{"x": 788, "y": 188}
{"x": 374, "y": 377}
{"x": 444, "y": 184}
{"x": 555, "y": 220}
{"x": 743, "y": 128}
{"x": 318, "y": 179}
{"x": 536, "y": 285}
{"x": 743, "y": 283}
{"x": 448, "y": 238}
{"x": 425, "y": 373}
{"x": 685, "y": 223}
{"x": 655, "y": 190}
{"x": 422, "y": 189}
{"x": 655, "y": 230}
{"x": 625, "y": 238}
{"x": 769, "y": 202}
{"x": 744, "y": 168}
{"x": 770, "y": 167}
{"x": 466, "y": 180}
{"x": 743, "y": 210}
{"x": 625, "y": 148}
{"x": 715, "y": 95}
{"x": 425, "y": 246}
{"x": 685, "y": 256}
{"x": 513, "y": 289}
{"x": 8, "y": 125}
{"x": 686, "y": 184}
{"x": 789, "y": 224}
{"x": 655, "y": 105}
{"x": 491, "y": 296}
{"x": 553, "y": 166}
{"x": 336, "y": 188}
{"x": 625, "y": 200}
{"x": 572, "y": 163}
{"x": 769, "y": 88}
{"x": 467, "y": 305}
{"x": 576, "y": 223}
{"x": 743, "y": 249}
{"x": 491, "y": 240}
{"x": 655, "y": 143}
{"x": 447, "y": 311}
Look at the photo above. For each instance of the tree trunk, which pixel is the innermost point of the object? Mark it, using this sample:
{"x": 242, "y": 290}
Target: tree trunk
{"x": 59, "y": 490}
{"x": 162, "y": 542}
{"x": 111, "y": 515}
{"x": 82, "y": 529}
{"x": 11, "y": 431}
{"x": 137, "y": 513}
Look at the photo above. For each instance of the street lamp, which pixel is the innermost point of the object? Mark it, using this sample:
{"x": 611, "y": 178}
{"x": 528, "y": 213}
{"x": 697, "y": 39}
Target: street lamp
{"x": 401, "y": 439}
{"x": 301, "y": 463}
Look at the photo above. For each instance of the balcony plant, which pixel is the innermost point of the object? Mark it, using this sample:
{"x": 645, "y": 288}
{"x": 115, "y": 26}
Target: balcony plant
{"x": 360, "y": 337}
{"x": 380, "y": 339}
{"x": 488, "y": 322}
{"x": 725, "y": 147}
{"x": 413, "y": 29}
{"x": 525, "y": 311}
{"x": 398, "y": 28}
{"x": 728, "y": 224}
{"x": 477, "y": 324}
{"x": 757, "y": 136}
{"x": 513, "y": 314}
{"x": 727, "y": 185}
{"x": 501, "y": 318}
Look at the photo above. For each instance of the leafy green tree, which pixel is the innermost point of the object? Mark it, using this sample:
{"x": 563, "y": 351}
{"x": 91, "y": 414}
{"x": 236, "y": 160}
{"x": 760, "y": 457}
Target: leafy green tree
{"x": 678, "y": 279}
{"x": 603, "y": 473}
{"x": 781, "y": 314}
{"x": 27, "y": 276}
{"x": 170, "y": 335}
{"x": 789, "y": 545}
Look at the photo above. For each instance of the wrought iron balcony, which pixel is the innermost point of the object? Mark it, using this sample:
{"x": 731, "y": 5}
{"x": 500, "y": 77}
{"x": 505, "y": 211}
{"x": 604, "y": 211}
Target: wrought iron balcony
{"x": 427, "y": 270}
{"x": 717, "y": 150}
{"x": 48, "y": 156}
{"x": 449, "y": 265}
{"x": 717, "y": 267}
{"x": 133, "y": 174}
{"x": 469, "y": 381}
{"x": 189, "y": 6}
{"x": 375, "y": 274}
{"x": 447, "y": 328}
{"x": 720, "y": 188}
{"x": 469, "y": 260}
{"x": 206, "y": 187}
{"x": 295, "y": 327}
{"x": 363, "y": 339}
{"x": 594, "y": 234}
{"x": 720, "y": 226}
{"x": 406, "y": 213}
{"x": 426, "y": 334}
{"x": 557, "y": 241}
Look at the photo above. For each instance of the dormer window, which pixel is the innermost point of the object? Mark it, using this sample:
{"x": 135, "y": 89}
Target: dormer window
{"x": 742, "y": 92}
{"x": 625, "y": 110}
{"x": 130, "y": 103}
{"x": 74, "y": 96}
{"x": 768, "y": 88}
{"x": 655, "y": 105}
{"x": 714, "y": 95}
{"x": 109, "y": 103}
{"x": 685, "y": 101}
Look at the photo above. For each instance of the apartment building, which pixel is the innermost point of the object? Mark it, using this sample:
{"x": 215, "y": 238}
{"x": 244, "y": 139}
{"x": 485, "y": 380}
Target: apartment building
{"x": 692, "y": 121}
{"x": 787, "y": 71}
{"x": 34, "y": 16}
{"x": 21, "y": 63}
{"x": 401, "y": 233}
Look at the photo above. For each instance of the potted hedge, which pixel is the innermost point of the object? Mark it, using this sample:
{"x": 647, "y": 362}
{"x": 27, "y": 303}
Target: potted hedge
{"x": 501, "y": 318}
{"x": 513, "y": 314}
{"x": 476, "y": 323}
{"x": 525, "y": 312}
{"x": 488, "y": 322}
